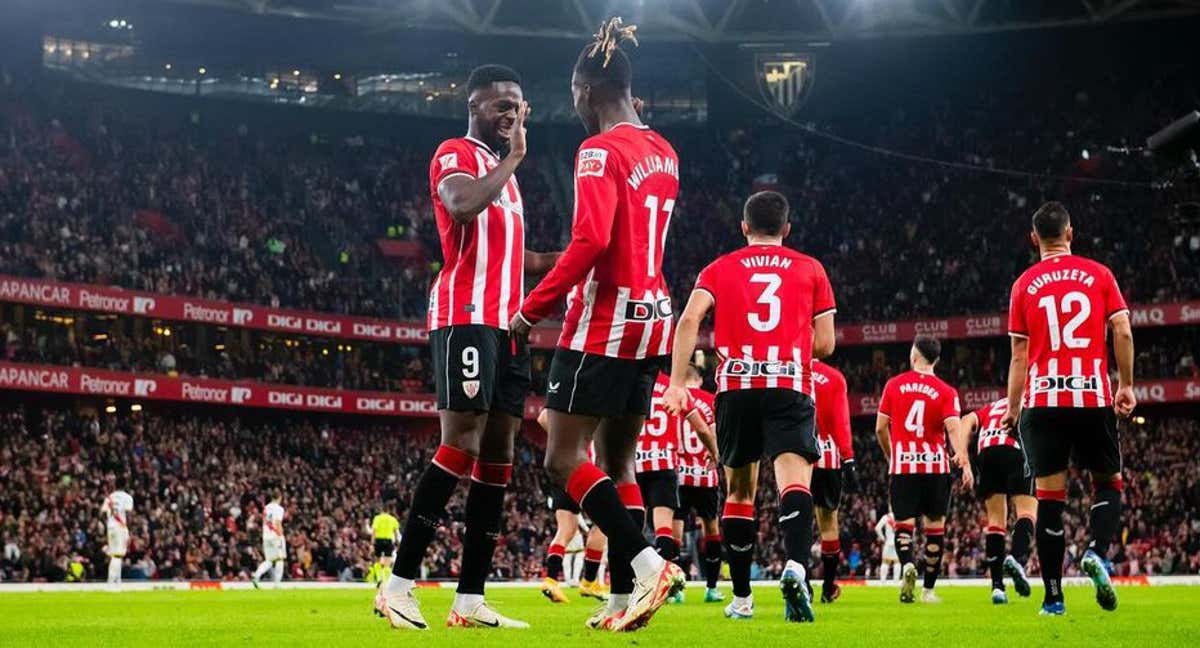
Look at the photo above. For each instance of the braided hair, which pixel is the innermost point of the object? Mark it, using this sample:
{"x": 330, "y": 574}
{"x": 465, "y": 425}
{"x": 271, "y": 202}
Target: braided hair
{"x": 602, "y": 62}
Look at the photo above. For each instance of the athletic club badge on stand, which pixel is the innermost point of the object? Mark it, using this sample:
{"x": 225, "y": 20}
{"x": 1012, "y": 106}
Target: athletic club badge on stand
{"x": 785, "y": 80}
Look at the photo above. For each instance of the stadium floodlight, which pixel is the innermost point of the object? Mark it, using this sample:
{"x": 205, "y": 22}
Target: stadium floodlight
{"x": 202, "y": 71}
{"x": 135, "y": 407}
{"x": 295, "y": 72}
{"x": 337, "y": 76}
{"x": 111, "y": 409}
{"x": 1085, "y": 155}
{"x": 167, "y": 66}
{"x": 114, "y": 23}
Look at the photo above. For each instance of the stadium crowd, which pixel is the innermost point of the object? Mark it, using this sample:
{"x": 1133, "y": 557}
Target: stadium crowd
{"x": 199, "y": 485}
{"x": 164, "y": 204}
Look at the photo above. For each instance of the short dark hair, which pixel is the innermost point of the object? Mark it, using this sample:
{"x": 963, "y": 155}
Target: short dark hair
{"x": 766, "y": 212}
{"x": 929, "y": 347}
{"x": 486, "y": 75}
{"x": 1050, "y": 221}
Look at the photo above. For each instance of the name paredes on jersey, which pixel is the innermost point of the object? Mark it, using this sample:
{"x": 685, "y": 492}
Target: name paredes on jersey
{"x": 919, "y": 388}
{"x": 767, "y": 261}
{"x": 1047, "y": 278}
{"x": 650, "y": 165}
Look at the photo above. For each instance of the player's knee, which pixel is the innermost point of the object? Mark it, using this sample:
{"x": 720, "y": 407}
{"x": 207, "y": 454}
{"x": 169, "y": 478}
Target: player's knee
{"x": 560, "y": 465}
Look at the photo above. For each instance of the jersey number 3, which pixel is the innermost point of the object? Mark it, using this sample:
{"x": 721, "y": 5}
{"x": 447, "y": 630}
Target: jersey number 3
{"x": 768, "y": 298}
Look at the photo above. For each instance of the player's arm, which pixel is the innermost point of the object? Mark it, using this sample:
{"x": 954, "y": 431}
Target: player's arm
{"x": 465, "y": 196}
{"x": 824, "y": 337}
{"x": 708, "y": 438}
{"x": 1017, "y": 366}
{"x": 539, "y": 263}
{"x": 970, "y": 423}
{"x": 879, "y": 527}
{"x": 842, "y": 438}
{"x": 958, "y": 434}
{"x": 1125, "y": 400}
{"x": 687, "y": 330}
{"x": 595, "y": 209}
{"x": 543, "y": 419}
{"x": 883, "y": 435}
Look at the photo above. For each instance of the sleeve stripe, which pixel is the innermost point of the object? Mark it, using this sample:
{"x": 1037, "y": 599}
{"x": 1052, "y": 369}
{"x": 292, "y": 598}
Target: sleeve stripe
{"x": 451, "y": 175}
{"x": 827, "y": 311}
{"x": 1117, "y": 312}
{"x": 1018, "y": 335}
{"x": 705, "y": 290}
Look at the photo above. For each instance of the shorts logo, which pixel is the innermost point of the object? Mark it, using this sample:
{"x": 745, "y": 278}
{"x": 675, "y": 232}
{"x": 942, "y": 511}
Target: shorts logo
{"x": 591, "y": 162}
{"x": 470, "y": 388}
{"x": 554, "y": 387}
{"x": 448, "y": 161}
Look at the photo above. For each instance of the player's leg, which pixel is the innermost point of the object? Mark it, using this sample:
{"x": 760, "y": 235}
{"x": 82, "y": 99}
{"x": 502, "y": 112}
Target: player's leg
{"x": 739, "y": 528}
{"x": 793, "y": 474}
{"x": 567, "y": 524}
{"x": 277, "y": 571}
{"x": 262, "y": 569}
{"x": 665, "y": 500}
{"x": 484, "y": 511}
{"x": 903, "y": 496}
{"x": 790, "y": 439}
{"x": 1048, "y": 450}
{"x": 1022, "y": 538}
{"x": 711, "y": 547}
{"x": 935, "y": 504}
{"x": 1101, "y": 457}
{"x": 996, "y": 506}
{"x": 831, "y": 549}
{"x": 593, "y": 556}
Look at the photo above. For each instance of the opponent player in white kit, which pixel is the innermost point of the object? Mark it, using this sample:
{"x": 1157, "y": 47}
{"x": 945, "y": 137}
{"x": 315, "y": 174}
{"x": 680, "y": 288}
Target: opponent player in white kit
{"x": 274, "y": 545}
{"x": 116, "y": 508}
{"x": 885, "y": 530}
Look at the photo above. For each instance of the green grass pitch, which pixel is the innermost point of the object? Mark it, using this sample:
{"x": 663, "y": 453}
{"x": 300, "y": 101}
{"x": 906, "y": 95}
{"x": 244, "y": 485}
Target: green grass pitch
{"x": 1148, "y": 616}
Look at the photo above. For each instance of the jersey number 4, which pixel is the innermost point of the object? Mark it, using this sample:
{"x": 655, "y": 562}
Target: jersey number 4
{"x": 915, "y": 421}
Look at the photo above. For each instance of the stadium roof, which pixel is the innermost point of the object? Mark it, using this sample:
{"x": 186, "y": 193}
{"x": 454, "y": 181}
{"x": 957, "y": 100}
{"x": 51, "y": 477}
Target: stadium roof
{"x": 717, "y": 21}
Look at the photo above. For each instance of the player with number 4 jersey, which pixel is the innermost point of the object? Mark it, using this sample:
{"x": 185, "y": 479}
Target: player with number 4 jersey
{"x": 773, "y": 313}
{"x": 917, "y": 412}
{"x": 1060, "y": 313}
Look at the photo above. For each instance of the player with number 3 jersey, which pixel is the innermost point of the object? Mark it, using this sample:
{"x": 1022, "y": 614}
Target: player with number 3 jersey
{"x": 773, "y": 313}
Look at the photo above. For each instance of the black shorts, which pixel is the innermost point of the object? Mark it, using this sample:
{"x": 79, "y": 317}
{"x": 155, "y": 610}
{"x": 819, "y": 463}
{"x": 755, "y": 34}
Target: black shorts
{"x": 659, "y": 488}
{"x": 912, "y": 496}
{"x": 384, "y": 547}
{"x": 1002, "y": 471}
{"x": 753, "y": 423}
{"x": 826, "y": 488}
{"x": 1053, "y": 436}
{"x": 704, "y": 501}
{"x": 561, "y": 501}
{"x": 478, "y": 369}
{"x": 596, "y": 385}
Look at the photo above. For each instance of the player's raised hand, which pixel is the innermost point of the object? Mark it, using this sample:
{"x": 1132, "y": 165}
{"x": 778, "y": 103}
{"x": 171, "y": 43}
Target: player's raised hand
{"x": 1124, "y": 401}
{"x": 516, "y": 137}
{"x": 675, "y": 400}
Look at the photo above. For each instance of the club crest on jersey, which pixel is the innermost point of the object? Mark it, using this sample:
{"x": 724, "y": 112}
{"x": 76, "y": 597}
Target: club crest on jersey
{"x": 785, "y": 79}
{"x": 1043, "y": 384}
{"x": 448, "y": 161}
{"x": 591, "y": 162}
{"x": 470, "y": 388}
{"x": 768, "y": 368}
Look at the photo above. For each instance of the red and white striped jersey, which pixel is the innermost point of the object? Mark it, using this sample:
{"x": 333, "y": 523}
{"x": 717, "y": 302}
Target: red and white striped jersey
{"x": 695, "y": 465}
{"x": 833, "y": 416}
{"x": 991, "y": 433}
{"x": 483, "y": 276}
{"x": 918, "y": 404}
{"x": 765, "y": 300}
{"x": 656, "y": 445}
{"x": 618, "y": 304}
{"x": 1063, "y": 304}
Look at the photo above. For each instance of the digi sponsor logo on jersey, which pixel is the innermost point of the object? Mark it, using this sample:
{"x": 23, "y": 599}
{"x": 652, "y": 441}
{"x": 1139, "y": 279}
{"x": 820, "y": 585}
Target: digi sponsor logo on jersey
{"x": 592, "y": 161}
{"x": 1046, "y": 384}
{"x": 646, "y": 311}
{"x": 374, "y": 404}
{"x": 920, "y": 457}
{"x": 766, "y": 368}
